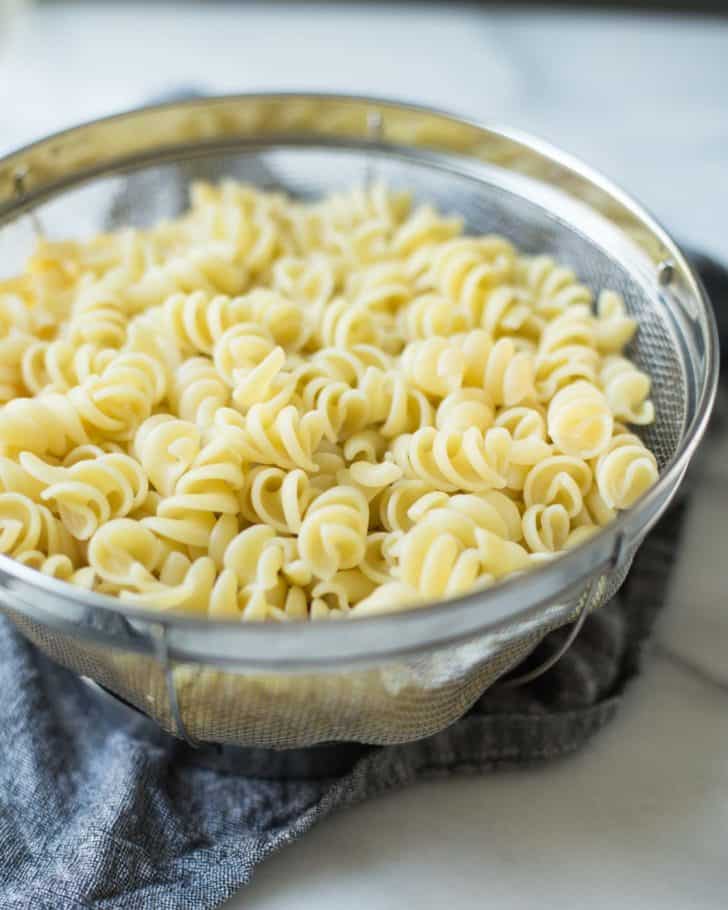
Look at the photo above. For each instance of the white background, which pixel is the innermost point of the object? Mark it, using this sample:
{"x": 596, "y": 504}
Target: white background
{"x": 640, "y": 818}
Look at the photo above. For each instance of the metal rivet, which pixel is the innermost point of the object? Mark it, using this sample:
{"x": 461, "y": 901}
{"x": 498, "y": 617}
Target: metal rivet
{"x": 374, "y": 125}
{"x": 374, "y": 132}
{"x": 20, "y": 175}
{"x": 666, "y": 272}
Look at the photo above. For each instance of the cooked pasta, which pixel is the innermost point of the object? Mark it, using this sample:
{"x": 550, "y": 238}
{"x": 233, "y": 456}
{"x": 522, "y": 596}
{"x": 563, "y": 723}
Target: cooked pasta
{"x": 275, "y": 410}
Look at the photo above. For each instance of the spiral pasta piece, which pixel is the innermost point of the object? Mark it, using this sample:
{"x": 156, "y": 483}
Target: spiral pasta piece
{"x": 527, "y": 427}
{"x": 98, "y": 318}
{"x": 190, "y": 593}
{"x": 57, "y": 366}
{"x": 25, "y": 526}
{"x": 207, "y": 488}
{"x": 124, "y": 553}
{"x": 465, "y": 270}
{"x": 553, "y": 287}
{"x": 116, "y": 402}
{"x": 264, "y": 568}
{"x": 58, "y": 566}
{"x": 627, "y": 389}
{"x": 198, "y": 320}
{"x": 566, "y": 353}
{"x": 450, "y": 461}
{"x": 284, "y": 439}
{"x": 393, "y": 404}
{"x": 625, "y": 473}
{"x": 439, "y": 557}
{"x": 434, "y": 366}
{"x": 345, "y": 324}
{"x": 166, "y": 447}
{"x": 15, "y": 479}
{"x": 505, "y": 373}
{"x": 48, "y": 424}
{"x": 333, "y": 533}
{"x": 395, "y": 502}
{"x": 13, "y": 348}
{"x": 199, "y": 392}
{"x": 546, "y": 528}
{"x": 423, "y": 231}
{"x": 90, "y": 492}
{"x": 391, "y": 597}
{"x": 507, "y": 311}
{"x": 209, "y": 268}
{"x": 313, "y": 280}
{"x": 275, "y": 497}
{"x": 430, "y": 314}
{"x": 614, "y": 328}
{"x": 560, "y": 479}
{"x": 465, "y": 408}
{"x": 579, "y": 420}
{"x": 344, "y": 410}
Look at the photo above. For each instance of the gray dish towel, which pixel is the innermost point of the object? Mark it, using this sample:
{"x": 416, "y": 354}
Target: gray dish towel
{"x": 108, "y": 812}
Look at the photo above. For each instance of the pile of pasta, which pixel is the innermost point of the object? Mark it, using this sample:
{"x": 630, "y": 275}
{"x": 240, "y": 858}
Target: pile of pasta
{"x": 270, "y": 409}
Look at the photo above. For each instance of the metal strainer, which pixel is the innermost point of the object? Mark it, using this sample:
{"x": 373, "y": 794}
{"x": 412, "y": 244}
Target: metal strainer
{"x": 393, "y": 678}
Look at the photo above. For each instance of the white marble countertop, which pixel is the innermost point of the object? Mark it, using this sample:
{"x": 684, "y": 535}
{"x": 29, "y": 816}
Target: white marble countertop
{"x": 644, "y": 100}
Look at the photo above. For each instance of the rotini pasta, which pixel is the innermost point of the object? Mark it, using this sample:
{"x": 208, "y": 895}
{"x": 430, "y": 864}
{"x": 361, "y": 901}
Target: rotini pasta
{"x": 277, "y": 410}
{"x": 91, "y": 491}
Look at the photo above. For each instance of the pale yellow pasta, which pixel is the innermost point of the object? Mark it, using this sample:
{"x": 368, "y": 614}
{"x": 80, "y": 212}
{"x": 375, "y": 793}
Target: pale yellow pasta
{"x": 343, "y": 409}
{"x": 394, "y": 503}
{"x": 58, "y": 566}
{"x": 553, "y": 287}
{"x": 465, "y": 270}
{"x": 624, "y": 473}
{"x": 504, "y": 372}
{"x": 199, "y": 391}
{"x": 566, "y": 353}
{"x": 579, "y": 420}
{"x": 430, "y": 314}
{"x": 166, "y": 447}
{"x": 450, "y": 461}
{"x": 465, "y": 408}
{"x": 13, "y": 348}
{"x": 276, "y": 497}
{"x": 560, "y": 479}
{"x": 272, "y": 410}
{"x": 614, "y": 328}
{"x": 435, "y": 366}
{"x": 57, "y": 366}
{"x": 438, "y": 556}
{"x": 206, "y": 489}
{"x": 546, "y": 528}
{"x": 90, "y": 492}
{"x": 627, "y": 389}
{"x": 394, "y": 405}
{"x": 124, "y": 553}
{"x": 98, "y": 317}
{"x": 333, "y": 533}
{"x": 311, "y": 280}
{"x": 25, "y": 525}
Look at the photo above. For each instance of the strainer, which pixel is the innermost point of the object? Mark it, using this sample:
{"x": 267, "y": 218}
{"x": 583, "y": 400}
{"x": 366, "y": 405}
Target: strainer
{"x": 393, "y": 678}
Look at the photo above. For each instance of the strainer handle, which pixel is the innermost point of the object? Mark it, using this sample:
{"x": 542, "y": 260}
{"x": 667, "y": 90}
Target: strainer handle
{"x": 515, "y": 682}
{"x": 159, "y": 636}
